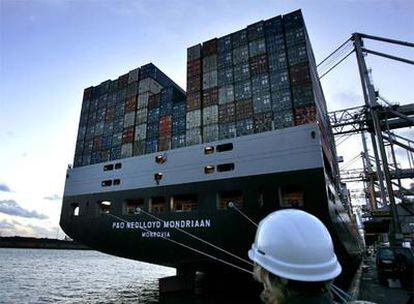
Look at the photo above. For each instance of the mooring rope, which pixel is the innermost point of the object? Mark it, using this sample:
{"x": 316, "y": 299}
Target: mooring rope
{"x": 345, "y": 297}
{"x": 189, "y": 247}
{"x": 198, "y": 238}
{"x": 233, "y": 205}
{"x": 343, "y": 300}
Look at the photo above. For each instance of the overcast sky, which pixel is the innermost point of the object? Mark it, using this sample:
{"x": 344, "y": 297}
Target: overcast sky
{"x": 51, "y": 50}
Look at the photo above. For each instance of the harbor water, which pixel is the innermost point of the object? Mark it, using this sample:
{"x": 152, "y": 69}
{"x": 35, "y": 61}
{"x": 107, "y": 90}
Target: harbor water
{"x": 76, "y": 276}
{"x": 83, "y": 276}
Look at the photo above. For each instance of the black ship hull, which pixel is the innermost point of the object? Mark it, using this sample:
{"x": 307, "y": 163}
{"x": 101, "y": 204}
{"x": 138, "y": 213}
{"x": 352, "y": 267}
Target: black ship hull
{"x": 145, "y": 236}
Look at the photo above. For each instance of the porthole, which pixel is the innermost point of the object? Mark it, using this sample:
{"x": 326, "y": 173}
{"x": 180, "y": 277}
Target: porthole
{"x": 75, "y": 209}
{"x": 105, "y": 206}
{"x": 209, "y": 169}
{"x": 208, "y": 150}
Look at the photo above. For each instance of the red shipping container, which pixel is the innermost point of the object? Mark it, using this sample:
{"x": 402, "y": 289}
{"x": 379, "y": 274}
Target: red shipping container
{"x": 244, "y": 109}
{"x": 97, "y": 143}
{"x": 87, "y": 93}
{"x": 194, "y": 68}
{"x": 123, "y": 81}
{"x": 226, "y": 113}
{"x": 210, "y": 47}
{"x": 110, "y": 114}
{"x": 165, "y": 125}
{"x": 131, "y": 105}
{"x": 165, "y": 134}
{"x": 105, "y": 155}
{"x": 305, "y": 115}
{"x": 210, "y": 97}
{"x": 300, "y": 74}
{"x": 128, "y": 135}
{"x": 194, "y": 84}
{"x": 258, "y": 65}
{"x": 154, "y": 101}
{"x": 193, "y": 101}
{"x": 164, "y": 143}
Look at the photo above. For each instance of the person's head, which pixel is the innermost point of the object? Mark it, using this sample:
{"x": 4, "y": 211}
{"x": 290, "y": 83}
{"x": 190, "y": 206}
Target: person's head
{"x": 293, "y": 254}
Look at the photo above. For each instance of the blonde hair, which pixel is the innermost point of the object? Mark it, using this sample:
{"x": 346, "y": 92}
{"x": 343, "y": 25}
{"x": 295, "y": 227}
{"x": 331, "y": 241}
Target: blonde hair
{"x": 277, "y": 290}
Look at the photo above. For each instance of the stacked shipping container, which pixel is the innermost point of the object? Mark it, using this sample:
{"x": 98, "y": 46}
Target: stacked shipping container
{"x": 193, "y": 100}
{"x": 257, "y": 79}
{"x": 307, "y": 95}
{"x": 129, "y": 116}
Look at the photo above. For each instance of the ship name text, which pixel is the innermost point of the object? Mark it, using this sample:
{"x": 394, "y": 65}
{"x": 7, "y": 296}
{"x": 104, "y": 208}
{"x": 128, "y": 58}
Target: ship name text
{"x": 201, "y": 223}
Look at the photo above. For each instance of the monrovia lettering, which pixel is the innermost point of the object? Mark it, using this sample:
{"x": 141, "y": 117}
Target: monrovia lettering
{"x": 153, "y": 234}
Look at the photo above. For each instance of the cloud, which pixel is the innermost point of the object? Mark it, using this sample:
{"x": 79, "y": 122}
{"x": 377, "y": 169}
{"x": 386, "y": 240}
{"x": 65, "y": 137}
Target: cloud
{"x": 4, "y": 188}
{"x": 346, "y": 99}
{"x": 54, "y": 197}
{"x": 5, "y": 225}
{"x": 39, "y": 231}
{"x": 16, "y": 228}
{"x": 11, "y": 207}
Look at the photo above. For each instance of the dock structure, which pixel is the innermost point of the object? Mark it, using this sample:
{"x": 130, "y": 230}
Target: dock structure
{"x": 371, "y": 290}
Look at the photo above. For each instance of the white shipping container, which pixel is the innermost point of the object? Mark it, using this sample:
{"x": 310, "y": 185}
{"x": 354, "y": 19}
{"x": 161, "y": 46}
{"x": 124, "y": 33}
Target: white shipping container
{"x": 226, "y": 94}
{"x": 193, "y": 136}
{"x": 141, "y": 116}
{"x": 210, "y": 63}
{"x": 210, "y": 115}
{"x": 81, "y": 133}
{"x": 140, "y": 132}
{"x": 257, "y": 47}
{"x": 210, "y": 79}
{"x": 133, "y": 75}
{"x": 193, "y": 119}
{"x": 206, "y": 81}
{"x": 213, "y": 79}
{"x": 149, "y": 85}
{"x": 129, "y": 119}
{"x": 99, "y": 128}
{"x": 126, "y": 150}
{"x": 194, "y": 52}
{"x": 117, "y": 139}
{"x": 210, "y": 133}
{"x": 143, "y": 100}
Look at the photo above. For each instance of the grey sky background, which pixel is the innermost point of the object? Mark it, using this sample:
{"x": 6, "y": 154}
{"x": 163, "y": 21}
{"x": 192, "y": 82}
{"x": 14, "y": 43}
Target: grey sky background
{"x": 51, "y": 50}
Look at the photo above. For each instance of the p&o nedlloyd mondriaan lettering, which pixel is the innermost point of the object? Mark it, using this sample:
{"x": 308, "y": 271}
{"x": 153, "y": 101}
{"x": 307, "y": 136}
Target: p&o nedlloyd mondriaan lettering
{"x": 202, "y": 223}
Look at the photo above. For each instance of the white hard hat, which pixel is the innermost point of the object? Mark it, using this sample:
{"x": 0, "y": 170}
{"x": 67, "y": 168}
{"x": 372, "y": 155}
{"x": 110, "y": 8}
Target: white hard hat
{"x": 295, "y": 245}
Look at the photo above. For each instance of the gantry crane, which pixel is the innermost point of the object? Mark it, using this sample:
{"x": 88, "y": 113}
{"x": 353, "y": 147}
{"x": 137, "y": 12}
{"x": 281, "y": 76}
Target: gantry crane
{"x": 375, "y": 120}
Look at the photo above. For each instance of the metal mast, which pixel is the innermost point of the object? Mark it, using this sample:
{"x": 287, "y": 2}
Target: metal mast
{"x": 372, "y": 104}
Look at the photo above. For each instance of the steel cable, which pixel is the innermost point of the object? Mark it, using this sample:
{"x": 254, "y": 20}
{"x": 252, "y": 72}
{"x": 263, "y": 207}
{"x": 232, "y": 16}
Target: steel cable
{"x": 350, "y": 162}
{"x": 340, "y": 61}
{"x": 338, "y": 48}
{"x": 232, "y": 205}
{"x": 338, "y": 54}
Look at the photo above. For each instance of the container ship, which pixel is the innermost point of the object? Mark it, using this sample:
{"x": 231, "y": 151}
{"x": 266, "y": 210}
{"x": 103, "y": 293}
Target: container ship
{"x": 249, "y": 136}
